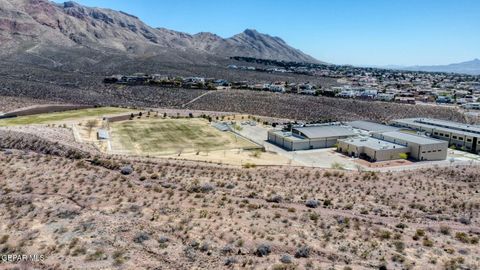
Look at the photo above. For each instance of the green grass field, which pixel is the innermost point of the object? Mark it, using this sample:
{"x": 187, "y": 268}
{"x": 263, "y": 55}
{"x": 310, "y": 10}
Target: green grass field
{"x": 171, "y": 136}
{"x": 48, "y": 118}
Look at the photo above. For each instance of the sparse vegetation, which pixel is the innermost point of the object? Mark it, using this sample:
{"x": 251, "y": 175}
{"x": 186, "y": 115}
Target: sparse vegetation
{"x": 221, "y": 216}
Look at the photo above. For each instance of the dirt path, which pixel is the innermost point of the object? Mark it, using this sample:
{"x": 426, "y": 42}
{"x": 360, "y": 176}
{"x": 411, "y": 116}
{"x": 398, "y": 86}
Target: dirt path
{"x": 199, "y": 97}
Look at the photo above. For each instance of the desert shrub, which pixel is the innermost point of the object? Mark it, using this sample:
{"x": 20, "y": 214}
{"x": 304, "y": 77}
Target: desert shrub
{"x": 303, "y": 252}
{"x": 79, "y": 251}
{"x": 68, "y": 214}
{"x": 286, "y": 259}
{"x": 444, "y": 229}
{"x": 118, "y": 257}
{"x": 126, "y": 170}
{"x": 163, "y": 239}
{"x": 397, "y": 258}
{"x": 163, "y": 242}
{"x": 464, "y": 220}
{"x": 230, "y": 261}
{"x": 4, "y": 239}
{"x": 314, "y": 216}
{"x": 194, "y": 244}
{"x": 420, "y": 232}
{"x": 249, "y": 165}
{"x": 327, "y": 203}
{"x": 189, "y": 252}
{"x": 263, "y": 250}
{"x": 399, "y": 246}
{"x": 97, "y": 255}
{"x": 337, "y": 166}
{"x": 384, "y": 234}
{"x": 226, "y": 249}
{"x": 106, "y": 163}
{"x": 275, "y": 199}
{"x": 207, "y": 187}
{"x": 283, "y": 267}
{"x": 312, "y": 203}
{"x": 427, "y": 242}
{"x": 204, "y": 188}
{"x": 462, "y": 237}
{"x": 141, "y": 237}
{"x": 204, "y": 247}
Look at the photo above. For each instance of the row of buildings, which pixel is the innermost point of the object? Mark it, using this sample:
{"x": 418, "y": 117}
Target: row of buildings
{"x": 458, "y": 135}
{"x": 168, "y": 81}
{"x": 417, "y": 139}
{"x": 381, "y": 84}
{"x": 411, "y": 96}
{"x": 209, "y": 83}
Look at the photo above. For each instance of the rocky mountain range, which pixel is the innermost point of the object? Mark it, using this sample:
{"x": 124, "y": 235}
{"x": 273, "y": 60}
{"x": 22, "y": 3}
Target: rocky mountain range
{"x": 469, "y": 67}
{"x": 71, "y": 36}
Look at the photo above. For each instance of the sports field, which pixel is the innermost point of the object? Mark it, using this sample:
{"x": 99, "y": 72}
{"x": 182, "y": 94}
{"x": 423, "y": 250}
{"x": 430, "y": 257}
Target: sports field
{"x": 171, "y": 136}
{"x": 48, "y": 118}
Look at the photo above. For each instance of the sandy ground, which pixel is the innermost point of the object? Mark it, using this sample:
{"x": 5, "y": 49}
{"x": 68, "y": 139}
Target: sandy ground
{"x": 239, "y": 157}
{"x": 177, "y": 214}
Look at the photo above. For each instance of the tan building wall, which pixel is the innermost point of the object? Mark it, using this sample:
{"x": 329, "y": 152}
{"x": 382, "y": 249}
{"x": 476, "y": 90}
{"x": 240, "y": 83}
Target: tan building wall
{"x": 373, "y": 154}
{"x": 302, "y": 144}
{"x": 432, "y": 151}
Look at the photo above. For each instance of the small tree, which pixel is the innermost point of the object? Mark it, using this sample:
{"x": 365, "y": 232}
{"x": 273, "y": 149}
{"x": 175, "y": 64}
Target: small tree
{"x": 403, "y": 156}
{"x": 452, "y": 160}
{"x": 90, "y": 125}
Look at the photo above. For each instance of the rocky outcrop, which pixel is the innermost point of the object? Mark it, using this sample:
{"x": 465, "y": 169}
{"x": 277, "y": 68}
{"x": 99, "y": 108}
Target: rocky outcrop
{"x": 32, "y": 27}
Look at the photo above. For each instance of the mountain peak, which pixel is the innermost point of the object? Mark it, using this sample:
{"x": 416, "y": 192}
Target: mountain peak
{"x": 251, "y": 32}
{"x": 70, "y": 4}
{"x": 72, "y": 26}
{"x": 206, "y": 34}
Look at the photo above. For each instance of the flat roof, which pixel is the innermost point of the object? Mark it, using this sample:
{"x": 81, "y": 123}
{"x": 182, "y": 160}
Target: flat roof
{"x": 372, "y": 126}
{"x": 221, "y": 126}
{"x": 313, "y": 132}
{"x": 373, "y": 143}
{"x": 103, "y": 134}
{"x": 287, "y": 134}
{"x": 448, "y": 126}
{"x": 411, "y": 138}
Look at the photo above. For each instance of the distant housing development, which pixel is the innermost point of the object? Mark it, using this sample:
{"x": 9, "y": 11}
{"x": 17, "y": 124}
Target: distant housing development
{"x": 461, "y": 136}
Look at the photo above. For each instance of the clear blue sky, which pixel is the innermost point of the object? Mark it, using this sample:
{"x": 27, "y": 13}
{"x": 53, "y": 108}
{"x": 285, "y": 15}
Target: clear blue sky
{"x": 358, "y": 32}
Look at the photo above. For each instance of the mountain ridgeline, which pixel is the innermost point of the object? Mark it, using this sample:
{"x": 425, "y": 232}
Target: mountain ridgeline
{"x": 468, "y": 67}
{"x": 73, "y": 36}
